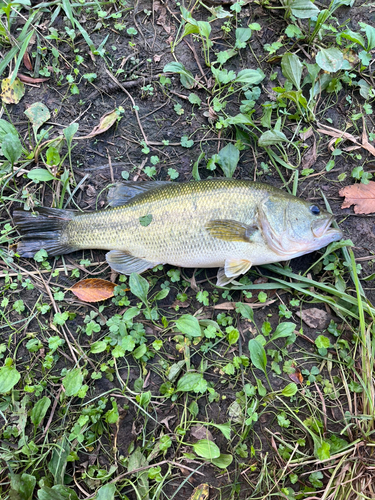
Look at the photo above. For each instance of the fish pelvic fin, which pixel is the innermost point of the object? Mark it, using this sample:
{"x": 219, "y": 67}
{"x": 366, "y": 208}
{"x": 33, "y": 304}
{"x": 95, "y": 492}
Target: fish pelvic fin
{"x": 124, "y": 263}
{"x": 44, "y": 228}
{"x": 231, "y": 230}
{"x": 232, "y": 268}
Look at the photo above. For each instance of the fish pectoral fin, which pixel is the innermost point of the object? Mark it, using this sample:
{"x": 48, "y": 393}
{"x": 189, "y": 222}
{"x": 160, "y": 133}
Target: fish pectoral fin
{"x": 124, "y": 263}
{"x": 121, "y": 193}
{"x": 232, "y": 268}
{"x": 231, "y": 230}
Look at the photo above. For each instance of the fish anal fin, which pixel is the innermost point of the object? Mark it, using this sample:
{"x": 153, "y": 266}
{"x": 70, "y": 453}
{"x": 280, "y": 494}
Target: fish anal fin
{"x": 121, "y": 193}
{"x": 124, "y": 263}
{"x": 231, "y": 230}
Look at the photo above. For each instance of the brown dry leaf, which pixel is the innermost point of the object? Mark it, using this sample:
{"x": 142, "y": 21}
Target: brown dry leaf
{"x": 362, "y": 196}
{"x": 314, "y": 318}
{"x": 296, "y": 376}
{"x": 334, "y": 132}
{"x": 28, "y": 79}
{"x": 27, "y": 61}
{"x": 201, "y": 492}
{"x": 201, "y": 432}
{"x": 162, "y": 19}
{"x": 93, "y": 289}
{"x": 105, "y": 123}
{"x": 309, "y": 158}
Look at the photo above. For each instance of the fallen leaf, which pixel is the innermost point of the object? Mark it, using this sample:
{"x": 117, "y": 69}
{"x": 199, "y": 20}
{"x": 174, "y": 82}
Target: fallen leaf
{"x": 28, "y": 79}
{"x": 314, "y": 318}
{"x": 38, "y": 114}
{"x": 296, "y": 376}
{"x": 201, "y": 492}
{"x": 93, "y": 289}
{"x": 309, "y": 158}
{"x": 27, "y": 61}
{"x": 12, "y": 94}
{"x": 334, "y": 132}
{"x": 162, "y": 19}
{"x": 105, "y": 123}
{"x": 362, "y": 196}
{"x": 201, "y": 432}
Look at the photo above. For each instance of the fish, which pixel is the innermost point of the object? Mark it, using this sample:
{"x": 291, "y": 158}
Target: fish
{"x": 218, "y": 223}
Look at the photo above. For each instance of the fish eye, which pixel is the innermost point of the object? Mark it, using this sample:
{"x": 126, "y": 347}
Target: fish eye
{"x": 315, "y": 210}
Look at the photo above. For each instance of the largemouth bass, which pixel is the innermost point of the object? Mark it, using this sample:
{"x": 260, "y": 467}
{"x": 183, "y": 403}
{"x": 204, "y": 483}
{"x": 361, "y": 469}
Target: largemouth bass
{"x": 225, "y": 223}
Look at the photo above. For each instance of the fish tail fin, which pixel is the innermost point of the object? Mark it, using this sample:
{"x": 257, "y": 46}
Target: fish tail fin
{"x": 45, "y": 228}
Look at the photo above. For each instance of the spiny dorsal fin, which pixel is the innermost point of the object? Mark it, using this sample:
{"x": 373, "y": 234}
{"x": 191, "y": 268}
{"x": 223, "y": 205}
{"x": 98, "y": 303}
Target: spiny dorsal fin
{"x": 231, "y": 230}
{"x": 121, "y": 193}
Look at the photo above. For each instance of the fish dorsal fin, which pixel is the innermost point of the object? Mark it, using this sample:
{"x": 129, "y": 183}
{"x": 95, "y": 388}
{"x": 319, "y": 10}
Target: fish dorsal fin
{"x": 121, "y": 193}
{"x": 123, "y": 263}
{"x": 231, "y": 230}
{"x": 232, "y": 268}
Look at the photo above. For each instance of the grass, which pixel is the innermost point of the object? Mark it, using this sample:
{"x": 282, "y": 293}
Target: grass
{"x": 174, "y": 388}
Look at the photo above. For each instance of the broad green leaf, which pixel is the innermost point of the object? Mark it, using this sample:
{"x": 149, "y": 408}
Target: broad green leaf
{"x": 139, "y": 287}
{"x": 38, "y": 114}
{"x": 225, "y": 55}
{"x": 9, "y": 376}
{"x": 245, "y": 310}
{"x": 370, "y": 33}
{"x": 283, "y": 330}
{"x": 57, "y": 464}
{"x": 304, "y": 9}
{"x": 228, "y": 159}
{"x": 21, "y": 486}
{"x": 189, "y": 325}
{"x": 52, "y": 156}
{"x": 272, "y": 137}
{"x": 292, "y": 69}
{"x": 354, "y": 37}
{"x": 242, "y": 36}
{"x": 39, "y": 410}
{"x": 106, "y": 492}
{"x": 190, "y": 29}
{"x": 98, "y": 346}
{"x": 140, "y": 351}
{"x": 72, "y": 382}
{"x": 223, "y": 461}
{"x": 11, "y": 147}
{"x": 206, "y": 449}
{"x": 186, "y": 77}
{"x": 145, "y": 220}
{"x": 330, "y": 60}
{"x": 322, "y": 452}
{"x": 57, "y": 492}
{"x": 250, "y": 76}
{"x": 136, "y": 461}
{"x": 69, "y": 133}
{"x": 40, "y": 175}
{"x": 191, "y": 381}
{"x": 175, "y": 370}
{"x": 225, "y": 429}
{"x": 6, "y": 128}
{"x": 204, "y": 28}
{"x": 322, "y": 342}
{"x": 258, "y": 355}
{"x": 233, "y": 336}
{"x": 289, "y": 390}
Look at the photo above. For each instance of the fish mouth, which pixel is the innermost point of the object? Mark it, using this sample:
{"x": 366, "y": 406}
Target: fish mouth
{"x": 323, "y": 227}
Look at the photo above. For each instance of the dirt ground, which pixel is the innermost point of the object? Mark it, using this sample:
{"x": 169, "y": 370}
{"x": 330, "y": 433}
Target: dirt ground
{"x": 166, "y": 114}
